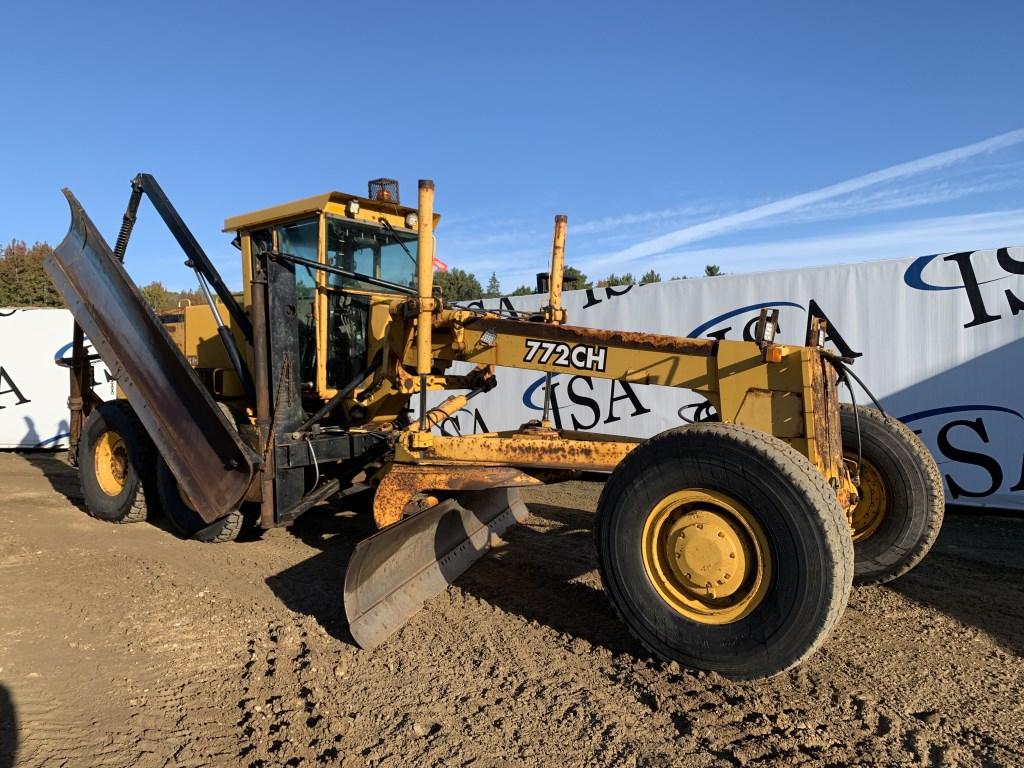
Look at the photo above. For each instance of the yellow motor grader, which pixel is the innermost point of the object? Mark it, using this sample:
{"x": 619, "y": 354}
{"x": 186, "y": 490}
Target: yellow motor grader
{"x": 729, "y": 544}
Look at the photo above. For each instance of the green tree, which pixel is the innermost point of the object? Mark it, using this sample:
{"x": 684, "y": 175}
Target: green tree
{"x": 157, "y": 296}
{"x": 23, "y": 283}
{"x": 712, "y": 270}
{"x": 493, "y": 287}
{"x": 650, "y": 276}
{"x": 613, "y": 279}
{"x": 457, "y": 285}
{"x": 523, "y": 290}
{"x": 573, "y": 279}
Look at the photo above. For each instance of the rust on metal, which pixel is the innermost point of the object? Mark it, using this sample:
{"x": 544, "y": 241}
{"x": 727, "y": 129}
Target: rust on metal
{"x": 404, "y": 482}
{"x": 523, "y": 449}
{"x": 627, "y": 339}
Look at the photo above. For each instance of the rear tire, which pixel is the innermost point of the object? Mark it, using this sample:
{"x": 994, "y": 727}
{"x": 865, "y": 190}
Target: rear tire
{"x": 186, "y": 521}
{"x": 903, "y": 501}
{"x": 116, "y": 462}
{"x": 756, "y": 501}
{"x": 183, "y": 518}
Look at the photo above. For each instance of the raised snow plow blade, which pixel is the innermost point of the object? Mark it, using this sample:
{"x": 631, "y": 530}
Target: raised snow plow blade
{"x": 212, "y": 465}
{"x": 394, "y": 572}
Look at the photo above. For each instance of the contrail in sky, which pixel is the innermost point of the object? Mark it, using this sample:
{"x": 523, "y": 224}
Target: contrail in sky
{"x": 735, "y": 221}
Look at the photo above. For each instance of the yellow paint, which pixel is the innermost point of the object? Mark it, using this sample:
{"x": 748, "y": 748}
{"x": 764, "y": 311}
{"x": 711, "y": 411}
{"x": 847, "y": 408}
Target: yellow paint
{"x": 871, "y": 510}
{"x": 554, "y": 311}
{"x": 111, "y": 463}
{"x": 246, "y": 247}
{"x": 320, "y": 310}
{"x": 425, "y": 278}
{"x": 331, "y": 202}
{"x": 706, "y": 556}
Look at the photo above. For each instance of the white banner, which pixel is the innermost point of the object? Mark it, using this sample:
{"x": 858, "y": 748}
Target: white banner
{"x": 940, "y": 338}
{"x": 33, "y": 388}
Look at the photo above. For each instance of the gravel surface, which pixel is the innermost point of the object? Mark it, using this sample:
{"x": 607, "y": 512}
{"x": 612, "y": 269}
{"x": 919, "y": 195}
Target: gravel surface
{"x": 125, "y": 646}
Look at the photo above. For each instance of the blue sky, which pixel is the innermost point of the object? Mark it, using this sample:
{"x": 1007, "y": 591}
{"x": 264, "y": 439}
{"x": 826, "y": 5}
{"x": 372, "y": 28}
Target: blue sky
{"x": 752, "y": 135}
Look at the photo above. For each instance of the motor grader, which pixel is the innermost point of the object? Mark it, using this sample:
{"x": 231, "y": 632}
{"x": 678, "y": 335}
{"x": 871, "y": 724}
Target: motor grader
{"x": 729, "y": 544}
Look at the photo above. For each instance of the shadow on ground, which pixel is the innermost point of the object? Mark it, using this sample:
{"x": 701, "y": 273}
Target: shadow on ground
{"x": 315, "y": 586}
{"x": 975, "y": 574}
{"x": 546, "y": 574}
{"x": 61, "y": 476}
{"x": 8, "y": 729}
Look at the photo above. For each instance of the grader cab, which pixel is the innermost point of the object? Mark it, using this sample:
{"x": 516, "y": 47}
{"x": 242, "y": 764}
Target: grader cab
{"x": 729, "y": 544}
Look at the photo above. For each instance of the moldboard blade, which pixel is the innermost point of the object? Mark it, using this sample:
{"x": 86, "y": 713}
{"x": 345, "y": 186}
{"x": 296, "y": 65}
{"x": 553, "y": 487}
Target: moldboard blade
{"x": 395, "y": 571}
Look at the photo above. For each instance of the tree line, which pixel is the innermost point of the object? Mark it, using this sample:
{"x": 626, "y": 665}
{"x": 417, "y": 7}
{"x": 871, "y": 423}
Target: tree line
{"x": 459, "y": 285}
{"x": 23, "y": 283}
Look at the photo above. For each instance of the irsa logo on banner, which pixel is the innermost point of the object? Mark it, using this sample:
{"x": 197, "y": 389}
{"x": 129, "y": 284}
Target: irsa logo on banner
{"x": 966, "y": 440}
{"x": 588, "y": 406}
{"x": 968, "y": 271}
{"x": 743, "y": 320}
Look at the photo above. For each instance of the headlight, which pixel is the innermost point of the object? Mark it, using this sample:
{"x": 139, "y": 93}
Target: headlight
{"x": 412, "y": 221}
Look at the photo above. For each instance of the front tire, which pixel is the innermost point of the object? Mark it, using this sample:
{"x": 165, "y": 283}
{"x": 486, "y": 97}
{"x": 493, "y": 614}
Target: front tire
{"x": 115, "y": 464}
{"x": 902, "y": 501}
{"x": 722, "y": 548}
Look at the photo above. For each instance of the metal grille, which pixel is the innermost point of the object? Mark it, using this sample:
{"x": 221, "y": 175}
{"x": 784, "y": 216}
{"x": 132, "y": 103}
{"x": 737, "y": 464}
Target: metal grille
{"x": 385, "y": 190}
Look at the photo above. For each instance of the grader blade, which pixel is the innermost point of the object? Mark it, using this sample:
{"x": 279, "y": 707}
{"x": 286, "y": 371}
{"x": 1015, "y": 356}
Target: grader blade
{"x": 204, "y": 452}
{"x": 394, "y": 572}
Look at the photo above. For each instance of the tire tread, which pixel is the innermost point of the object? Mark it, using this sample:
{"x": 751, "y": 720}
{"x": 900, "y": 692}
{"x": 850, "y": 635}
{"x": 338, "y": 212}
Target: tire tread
{"x": 936, "y": 501}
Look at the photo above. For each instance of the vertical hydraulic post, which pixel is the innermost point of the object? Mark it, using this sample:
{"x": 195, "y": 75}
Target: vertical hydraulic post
{"x": 425, "y": 288}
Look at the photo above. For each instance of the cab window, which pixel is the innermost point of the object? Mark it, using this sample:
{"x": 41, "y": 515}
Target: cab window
{"x": 301, "y": 239}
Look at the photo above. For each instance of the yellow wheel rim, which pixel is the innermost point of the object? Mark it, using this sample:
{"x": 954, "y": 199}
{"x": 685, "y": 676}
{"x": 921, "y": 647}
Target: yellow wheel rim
{"x": 874, "y": 500}
{"x": 111, "y": 463}
{"x": 706, "y": 555}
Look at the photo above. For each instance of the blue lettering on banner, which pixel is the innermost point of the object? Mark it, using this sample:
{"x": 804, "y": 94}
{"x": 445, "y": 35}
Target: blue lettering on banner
{"x": 63, "y": 357}
{"x": 971, "y": 285}
{"x": 962, "y": 440}
{"x": 700, "y": 330}
{"x": 59, "y": 355}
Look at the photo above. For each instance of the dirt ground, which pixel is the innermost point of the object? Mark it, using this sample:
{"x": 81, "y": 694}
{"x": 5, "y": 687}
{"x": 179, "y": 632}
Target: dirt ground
{"x": 124, "y": 646}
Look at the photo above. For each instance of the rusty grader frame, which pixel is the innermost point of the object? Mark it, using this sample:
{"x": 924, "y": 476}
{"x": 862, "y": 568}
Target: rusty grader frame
{"x": 236, "y": 397}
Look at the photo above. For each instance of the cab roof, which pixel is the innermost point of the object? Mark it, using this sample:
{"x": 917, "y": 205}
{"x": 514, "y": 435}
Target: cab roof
{"x": 313, "y": 205}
